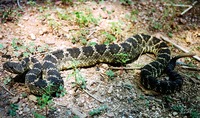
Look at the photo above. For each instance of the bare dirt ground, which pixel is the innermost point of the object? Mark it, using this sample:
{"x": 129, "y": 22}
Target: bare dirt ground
{"x": 40, "y": 27}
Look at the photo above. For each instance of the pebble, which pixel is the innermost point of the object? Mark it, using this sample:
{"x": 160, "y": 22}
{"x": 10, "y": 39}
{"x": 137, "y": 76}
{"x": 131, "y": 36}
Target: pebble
{"x": 32, "y": 98}
{"x": 153, "y": 108}
{"x": 50, "y": 42}
{"x": 32, "y": 36}
{"x": 14, "y": 99}
{"x": 43, "y": 31}
{"x": 174, "y": 113}
{"x": 183, "y": 21}
{"x": 23, "y": 104}
{"x": 110, "y": 115}
{"x": 110, "y": 89}
{"x": 1, "y": 36}
{"x": 26, "y": 18}
{"x": 26, "y": 109}
{"x": 105, "y": 66}
{"x": 20, "y": 112}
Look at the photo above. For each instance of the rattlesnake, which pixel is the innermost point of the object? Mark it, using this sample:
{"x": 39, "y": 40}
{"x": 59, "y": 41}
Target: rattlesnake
{"x": 40, "y": 75}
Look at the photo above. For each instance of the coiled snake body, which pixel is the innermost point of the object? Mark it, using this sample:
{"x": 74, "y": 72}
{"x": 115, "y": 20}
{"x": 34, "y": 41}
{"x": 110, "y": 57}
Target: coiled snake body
{"x": 40, "y": 75}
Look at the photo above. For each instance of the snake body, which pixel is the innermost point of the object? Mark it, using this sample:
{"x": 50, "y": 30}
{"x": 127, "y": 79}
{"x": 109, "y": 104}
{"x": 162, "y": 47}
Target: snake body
{"x": 40, "y": 75}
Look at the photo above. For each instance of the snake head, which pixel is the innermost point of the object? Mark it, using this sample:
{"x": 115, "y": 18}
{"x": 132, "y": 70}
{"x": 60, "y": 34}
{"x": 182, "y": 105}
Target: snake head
{"x": 13, "y": 67}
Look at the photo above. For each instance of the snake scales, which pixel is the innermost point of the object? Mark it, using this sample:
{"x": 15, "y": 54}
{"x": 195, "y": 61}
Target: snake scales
{"x": 40, "y": 75}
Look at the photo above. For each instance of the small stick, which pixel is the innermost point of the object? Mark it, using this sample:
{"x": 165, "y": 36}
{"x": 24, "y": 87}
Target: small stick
{"x": 190, "y": 68}
{"x": 177, "y": 5}
{"x": 190, "y": 7}
{"x": 93, "y": 96}
{"x": 179, "y": 47}
{"x": 193, "y": 79}
{"x": 125, "y": 68}
{"x": 92, "y": 33}
{"x": 78, "y": 113}
{"x": 18, "y": 3}
{"x": 7, "y": 90}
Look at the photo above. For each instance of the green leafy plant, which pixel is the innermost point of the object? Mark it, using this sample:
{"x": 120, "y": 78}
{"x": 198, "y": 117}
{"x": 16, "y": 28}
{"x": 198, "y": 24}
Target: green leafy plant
{"x": 194, "y": 114}
{"x": 110, "y": 74}
{"x": 79, "y": 79}
{"x": 84, "y": 19}
{"x": 7, "y": 80}
{"x": 109, "y": 38}
{"x": 98, "y": 111}
{"x": 26, "y": 49}
{"x": 92, "y": 43}
{"x": 122, "y": 58}
{"x": 54, "y": 24}
{"x": 12, "y": 110}
{"x": 36, "y": 115}
{"x": 61, "y": 13}
{"x": 62, "y": 91}
{"x": 116, "y": 27}
{"x": 178, "y": 108}
{"x": 157, "y": 25}
{"x": 1, "y": 46}
{"x": 129, "y": 2}
{"x": 132, "y": 16}
{"x": 31, "y": 3}
{"x": 45, "y": 101}
{"x": 9, "y": 14}
{"x": 67, "y": 1}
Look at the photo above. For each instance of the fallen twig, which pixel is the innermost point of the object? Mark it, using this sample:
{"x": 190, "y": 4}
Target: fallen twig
{"x": 179, "y": 47}
{"x": 177, "y": 5}
{"x": 190, "y": 68}
{"x": 18, "y": 4}
{"x": 78, "y": 113}
{"x": 7, "y": 90}
{"x": 93, "y": 96}
{"x": 125, "y": 68}
{"x": 92, "y": 33}
{"x": 193, "y": 79}
{"x": 190, "y": 7}
{"x": 181, "y": 5}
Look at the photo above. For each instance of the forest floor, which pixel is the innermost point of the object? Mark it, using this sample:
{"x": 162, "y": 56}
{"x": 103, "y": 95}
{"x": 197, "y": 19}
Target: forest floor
{"x": 40, "y": 27}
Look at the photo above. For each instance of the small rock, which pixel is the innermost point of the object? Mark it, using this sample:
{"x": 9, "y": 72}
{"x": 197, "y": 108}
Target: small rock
{"x": 43, "y": 31}
{"x": 20, "y": 25}
{"x": 1, "y": 36}
{"x": 23, "y": 104}
{"x": 26, "y": 109}
{"x": 174, "y": 113}
{"x": 183, "y": 21}
{"x": 110, "y": 115}
{"x": 32, "y": 98}
{"x": 32, "y": 36}
{"x": 78, "y": 113}
{"x": 110, "y": 89}
{"x": 143, "y": 3}
{"x": 50, "y": 42}
{"x": 14, "y": 99}
{"x": 153, "y": 108}
{"x": 105, "y": 66}
{"x": 58, "y": 110}
{"x": 189, "y": 38}
{"x": 25, "y": 18}
{"x": 20, "y": 112}
{"x": 161, "y": 9}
